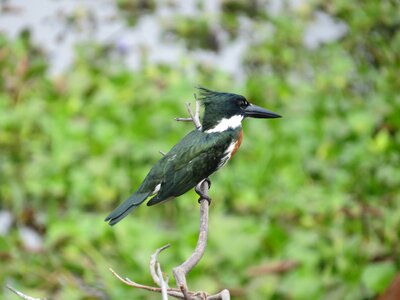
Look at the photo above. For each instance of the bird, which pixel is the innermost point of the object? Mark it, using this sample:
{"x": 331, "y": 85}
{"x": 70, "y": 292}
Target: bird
{"x": 199, "y": 154}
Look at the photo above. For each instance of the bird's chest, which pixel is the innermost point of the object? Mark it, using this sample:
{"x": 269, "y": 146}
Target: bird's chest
{"x": 231, "y": 149}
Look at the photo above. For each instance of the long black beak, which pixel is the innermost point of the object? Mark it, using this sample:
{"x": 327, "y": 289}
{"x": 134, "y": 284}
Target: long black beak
{"x": 254, "y": 111}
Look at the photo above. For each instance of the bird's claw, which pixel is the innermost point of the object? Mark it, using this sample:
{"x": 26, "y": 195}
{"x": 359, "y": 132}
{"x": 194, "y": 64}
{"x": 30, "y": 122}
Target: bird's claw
{"x": 202, "y": 195}
{"x": 208, "y": 181}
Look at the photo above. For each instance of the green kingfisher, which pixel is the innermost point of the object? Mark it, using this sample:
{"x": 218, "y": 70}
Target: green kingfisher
{"x": 199, "y": 154}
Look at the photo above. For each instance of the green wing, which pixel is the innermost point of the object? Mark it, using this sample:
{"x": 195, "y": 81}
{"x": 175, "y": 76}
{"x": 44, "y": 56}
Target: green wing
{"x": 194, "y": 158}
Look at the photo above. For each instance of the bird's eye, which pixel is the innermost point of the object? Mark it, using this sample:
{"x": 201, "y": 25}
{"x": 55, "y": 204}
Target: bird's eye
{"x": 244, "y": 103}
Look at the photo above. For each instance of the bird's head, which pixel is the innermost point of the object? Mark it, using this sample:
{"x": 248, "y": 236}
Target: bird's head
{"x": 225, "y": 110}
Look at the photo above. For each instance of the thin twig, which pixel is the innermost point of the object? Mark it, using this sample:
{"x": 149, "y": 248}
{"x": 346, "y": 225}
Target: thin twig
{"x": 194, "y": 117}
{"x": 183, "y": 119}
{"x": 197, "y": 112}
{"x": 164, "y": 285}
{"x": 153, "y": 265}
{"x": 21, "y": 295}
{"x": 172, "y": 292}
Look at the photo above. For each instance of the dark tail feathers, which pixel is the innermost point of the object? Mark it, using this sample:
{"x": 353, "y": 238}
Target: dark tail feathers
{"x": 126, "y": 207}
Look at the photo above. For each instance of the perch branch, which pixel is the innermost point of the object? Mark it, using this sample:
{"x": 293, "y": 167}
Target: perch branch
{"x": 181, "y": 271}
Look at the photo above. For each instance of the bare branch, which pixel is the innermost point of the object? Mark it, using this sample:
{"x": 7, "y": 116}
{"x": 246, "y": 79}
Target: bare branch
{"x": 153, "y": 265}
{"x": 21, "y": 295}
{"x": 172, "y": 292}
{"x": 194, "y": 117}
{"x": 164, "y": 285}
{"x": 223, "y": 295}
{"x": 183, "y": 119}
{"x": 197, "y": 111}
{"x": 181, "y": 271}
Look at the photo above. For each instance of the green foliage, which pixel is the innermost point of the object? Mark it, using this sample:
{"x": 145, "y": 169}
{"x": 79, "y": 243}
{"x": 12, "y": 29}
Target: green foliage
{"x": 320, "y": 186}
{"x": 131, "y": 10}
{"x": 197, "y": 33}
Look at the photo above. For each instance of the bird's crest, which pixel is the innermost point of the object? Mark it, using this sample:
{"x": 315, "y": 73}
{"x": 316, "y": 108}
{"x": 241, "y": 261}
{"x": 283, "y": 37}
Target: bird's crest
{"x": 208, "y": 96}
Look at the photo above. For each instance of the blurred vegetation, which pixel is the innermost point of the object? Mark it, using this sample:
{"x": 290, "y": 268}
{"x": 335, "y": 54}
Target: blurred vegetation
{"x": 132, "y": 10}
{"x": 319, "y": 187}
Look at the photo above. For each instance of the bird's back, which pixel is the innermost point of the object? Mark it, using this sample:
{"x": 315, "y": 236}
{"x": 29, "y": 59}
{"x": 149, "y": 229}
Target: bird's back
{"x": 193, "y": 159}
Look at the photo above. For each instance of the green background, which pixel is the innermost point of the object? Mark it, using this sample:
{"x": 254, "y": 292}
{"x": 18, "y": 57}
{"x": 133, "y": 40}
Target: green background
{"x": 319, "y": 187}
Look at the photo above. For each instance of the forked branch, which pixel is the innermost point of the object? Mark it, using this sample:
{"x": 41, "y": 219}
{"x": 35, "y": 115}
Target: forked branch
{"x": 194, "y": 117}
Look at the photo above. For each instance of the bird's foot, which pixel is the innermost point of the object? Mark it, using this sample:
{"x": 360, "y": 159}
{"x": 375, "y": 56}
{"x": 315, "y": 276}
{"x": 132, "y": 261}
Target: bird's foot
{"x": 204, "y": 197}
{"x": 200, "y": 192}
{"x": 208, "y": 181}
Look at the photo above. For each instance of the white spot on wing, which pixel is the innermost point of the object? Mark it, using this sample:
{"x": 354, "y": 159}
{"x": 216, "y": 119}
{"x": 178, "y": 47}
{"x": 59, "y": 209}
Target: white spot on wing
{"x": 157, "y": 189}
{"x": 225, "y": 124}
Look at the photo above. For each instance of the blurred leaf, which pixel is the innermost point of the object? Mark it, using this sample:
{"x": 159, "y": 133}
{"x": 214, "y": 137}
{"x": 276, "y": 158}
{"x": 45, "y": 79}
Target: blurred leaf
{"x": 378, "y": 276}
